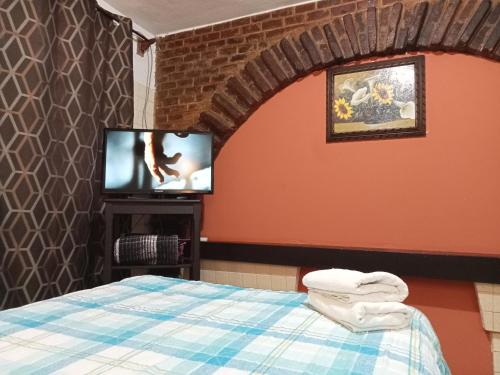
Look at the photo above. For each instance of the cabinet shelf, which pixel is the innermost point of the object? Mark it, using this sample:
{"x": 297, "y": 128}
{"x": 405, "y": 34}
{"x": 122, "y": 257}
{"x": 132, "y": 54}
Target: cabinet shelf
{"x": 185, "y": 214}
{"x": 152, "y": 266}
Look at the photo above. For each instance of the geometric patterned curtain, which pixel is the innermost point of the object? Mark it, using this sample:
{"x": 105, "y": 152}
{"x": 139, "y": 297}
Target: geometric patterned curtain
{"x": 113, "y": 64}
{"x": 65, "y": 73}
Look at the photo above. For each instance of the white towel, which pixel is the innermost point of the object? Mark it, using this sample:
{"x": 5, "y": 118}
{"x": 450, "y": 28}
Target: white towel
{"x": 362, "y": 316}
{"x": 349, "y": 286}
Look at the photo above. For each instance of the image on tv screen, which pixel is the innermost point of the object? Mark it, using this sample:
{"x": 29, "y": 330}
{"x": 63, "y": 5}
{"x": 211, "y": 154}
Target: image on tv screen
{"x": 146, "y": 161}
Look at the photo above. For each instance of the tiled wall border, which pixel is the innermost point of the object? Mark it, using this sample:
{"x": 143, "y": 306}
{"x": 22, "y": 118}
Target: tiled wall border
{"x": 250, "y": 275}
{"x": 495, "y": 347}
{"x": 488, "y": 296}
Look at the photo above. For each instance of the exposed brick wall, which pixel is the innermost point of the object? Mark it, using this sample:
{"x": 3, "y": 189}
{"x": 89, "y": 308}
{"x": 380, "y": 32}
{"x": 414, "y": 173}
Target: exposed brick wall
{"x": 215, "y": 77}
{"x": 192, "y": 64}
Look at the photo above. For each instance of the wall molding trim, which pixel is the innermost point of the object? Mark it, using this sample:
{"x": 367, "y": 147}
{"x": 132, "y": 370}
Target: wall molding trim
{"x": 477, "y": 267}
{"x": 379, "y": 28}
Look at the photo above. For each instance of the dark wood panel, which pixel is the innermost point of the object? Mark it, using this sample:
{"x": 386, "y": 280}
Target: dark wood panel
{"x": 404, "y": 263}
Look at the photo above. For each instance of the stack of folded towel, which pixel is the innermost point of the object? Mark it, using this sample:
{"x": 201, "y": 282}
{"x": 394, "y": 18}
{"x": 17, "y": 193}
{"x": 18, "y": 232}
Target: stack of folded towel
{"x": 359, "y": 301}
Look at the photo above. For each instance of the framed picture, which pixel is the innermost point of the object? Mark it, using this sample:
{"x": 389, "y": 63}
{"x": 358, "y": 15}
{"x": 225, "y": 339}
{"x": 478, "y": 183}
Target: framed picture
{"x": 378, "y": 100}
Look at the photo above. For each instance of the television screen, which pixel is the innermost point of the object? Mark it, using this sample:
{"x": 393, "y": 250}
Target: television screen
{"x": 157, "y": 161}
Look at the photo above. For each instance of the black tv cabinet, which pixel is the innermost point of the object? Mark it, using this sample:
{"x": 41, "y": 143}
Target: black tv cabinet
{"x": 187, "y": 210}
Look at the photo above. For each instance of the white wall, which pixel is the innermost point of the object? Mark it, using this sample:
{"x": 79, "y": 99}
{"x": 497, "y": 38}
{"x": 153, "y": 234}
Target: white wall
{"x": 143, "y": 102}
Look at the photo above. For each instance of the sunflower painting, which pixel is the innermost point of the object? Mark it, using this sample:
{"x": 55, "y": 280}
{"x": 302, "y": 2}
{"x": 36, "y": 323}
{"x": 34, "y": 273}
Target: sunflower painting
{"x": 343, "y": 110}
{"x": 377, "y": 100}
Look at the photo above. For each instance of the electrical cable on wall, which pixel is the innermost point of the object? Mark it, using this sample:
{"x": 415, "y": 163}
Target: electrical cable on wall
{"x": 149, "y": 73}
{"x": 148, "y": 83}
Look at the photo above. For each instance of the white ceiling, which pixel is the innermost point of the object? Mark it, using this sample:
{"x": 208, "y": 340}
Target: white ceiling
{"x": 161, "y": 17}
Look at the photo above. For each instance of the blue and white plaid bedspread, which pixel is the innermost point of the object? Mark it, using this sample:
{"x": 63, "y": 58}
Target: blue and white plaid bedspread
{"x": 157, "y": 325}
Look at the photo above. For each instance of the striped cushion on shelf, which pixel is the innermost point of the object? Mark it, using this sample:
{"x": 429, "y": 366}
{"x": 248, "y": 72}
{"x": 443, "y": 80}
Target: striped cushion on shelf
{"x": 147, "y": 249}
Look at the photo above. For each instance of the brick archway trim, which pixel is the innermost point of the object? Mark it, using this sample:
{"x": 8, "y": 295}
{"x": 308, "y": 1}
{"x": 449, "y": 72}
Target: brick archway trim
{"x": 376, "y": 31}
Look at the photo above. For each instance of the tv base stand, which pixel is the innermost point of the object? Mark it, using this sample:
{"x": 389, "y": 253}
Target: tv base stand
{"x": 185, "y": 212}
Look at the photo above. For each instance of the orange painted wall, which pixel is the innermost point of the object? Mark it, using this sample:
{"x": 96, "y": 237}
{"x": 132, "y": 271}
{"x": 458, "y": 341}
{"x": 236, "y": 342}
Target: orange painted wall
{"x": 453, "y": 310}
{"x": 278, "y": 181}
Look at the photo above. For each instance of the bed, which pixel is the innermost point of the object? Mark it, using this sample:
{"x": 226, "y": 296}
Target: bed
{"x": 158, "y": 325}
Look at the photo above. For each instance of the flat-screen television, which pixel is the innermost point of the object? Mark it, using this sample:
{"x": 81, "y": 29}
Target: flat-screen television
{"x": 137, "y": 161}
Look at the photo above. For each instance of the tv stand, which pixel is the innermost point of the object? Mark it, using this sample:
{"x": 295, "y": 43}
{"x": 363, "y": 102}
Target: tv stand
{"x": 187, "y": 212}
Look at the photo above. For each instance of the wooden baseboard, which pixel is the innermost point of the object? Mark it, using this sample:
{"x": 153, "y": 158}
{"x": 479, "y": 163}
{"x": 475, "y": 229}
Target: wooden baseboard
{"x": 479, "y": 268}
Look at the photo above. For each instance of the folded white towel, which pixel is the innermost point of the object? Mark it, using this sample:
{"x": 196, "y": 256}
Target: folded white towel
{"x": 362, "y": 316}
{"x": 352, "y": 286}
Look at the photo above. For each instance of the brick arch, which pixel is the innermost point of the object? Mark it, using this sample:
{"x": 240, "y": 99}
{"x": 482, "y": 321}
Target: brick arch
{"x": 469, "y": 26}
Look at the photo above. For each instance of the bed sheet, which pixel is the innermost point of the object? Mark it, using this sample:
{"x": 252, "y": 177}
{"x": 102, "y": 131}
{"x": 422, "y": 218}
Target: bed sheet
{"x": 158, "y": 325}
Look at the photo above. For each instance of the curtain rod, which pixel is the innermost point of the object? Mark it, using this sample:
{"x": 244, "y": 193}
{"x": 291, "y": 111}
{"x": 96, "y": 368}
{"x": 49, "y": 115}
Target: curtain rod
{"x": 117, "y": 19}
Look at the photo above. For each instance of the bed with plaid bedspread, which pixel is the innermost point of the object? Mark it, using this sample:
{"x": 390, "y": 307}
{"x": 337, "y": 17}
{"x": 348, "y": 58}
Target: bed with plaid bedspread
{"x": 159, "y": 325}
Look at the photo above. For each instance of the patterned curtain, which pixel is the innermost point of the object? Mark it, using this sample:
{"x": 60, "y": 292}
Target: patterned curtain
{"x": 65, "y": 73}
